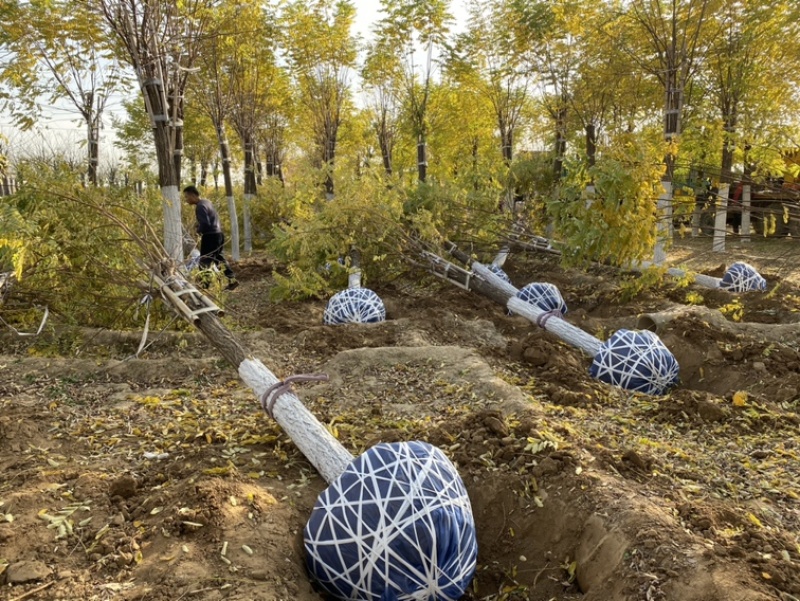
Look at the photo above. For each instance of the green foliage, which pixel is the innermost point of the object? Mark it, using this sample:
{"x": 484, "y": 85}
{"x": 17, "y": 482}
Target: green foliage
{"x": 275, "y": 204}
{"x": 462, "y": 213}
{"x": 387, "y": 224}
{"x": 364, "y": 214}
{"x": 616, "y": 222}
{"x": 69, "y": 256}
{"x": 650, "y": 279}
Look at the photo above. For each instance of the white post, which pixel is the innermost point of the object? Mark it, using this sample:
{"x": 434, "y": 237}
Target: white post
{"x": 720, "y": 225}
{"x": 746, "y": 213}
{"x": 663, "y": 224}
{"x": 234, "y": 228}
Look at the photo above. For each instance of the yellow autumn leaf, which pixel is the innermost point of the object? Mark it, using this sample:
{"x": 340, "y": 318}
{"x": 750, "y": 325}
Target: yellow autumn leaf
{"x": 740, "y": 398}
{"x": 754, "y": 520}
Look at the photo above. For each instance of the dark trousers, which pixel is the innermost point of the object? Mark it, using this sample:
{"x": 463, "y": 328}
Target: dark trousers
{"x": 211, "y": 253}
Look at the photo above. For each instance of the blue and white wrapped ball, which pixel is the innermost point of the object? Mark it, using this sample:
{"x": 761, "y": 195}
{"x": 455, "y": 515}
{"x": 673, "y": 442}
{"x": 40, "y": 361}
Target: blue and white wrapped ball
{"x": 742, "y": 277}
{"x": 498, "y": 271}
{"x": 354, "y": 305}
{"x": 543, "y": 295}
{"x": 396, "y": 525}
{"x": 637, "y": 361}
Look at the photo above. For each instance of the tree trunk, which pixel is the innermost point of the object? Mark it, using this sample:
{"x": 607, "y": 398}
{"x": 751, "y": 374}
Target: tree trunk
{"x": 385, "y": 143}
{"x": 561, "y": 143}
{"x": 720, "y": 221}
{"x": 94, "y": 149}
{"x": 507, "y": 142}
{"x": 329, "y": 156}
{"x": 728, "y": 145}
{"x": 249, "y": 190}
{"x": 591, "y": 144}
{"x": 225, "y": 155}
{"x": 673, "y": 105}
{"x": 746, "y": 213}
{"x": 422, "y": 158}
{"x": 491, "y": 286}
{"x": 168, "y": 175}
{"x": 324, "y": 452}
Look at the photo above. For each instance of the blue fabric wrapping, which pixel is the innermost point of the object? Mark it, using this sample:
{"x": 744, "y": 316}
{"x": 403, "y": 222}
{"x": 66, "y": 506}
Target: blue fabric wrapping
{"x": 499, "y": 272}
{"x": 354, "y": 305}
{"x": 397, "y": 525}
{"x": 742, "y": 277}
{"x": 637, "y": 361}
{"x": 543, "y": 295}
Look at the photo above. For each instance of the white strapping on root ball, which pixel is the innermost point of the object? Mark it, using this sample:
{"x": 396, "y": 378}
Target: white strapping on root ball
{"x": 397, "y": 524}
{"x": 742, "y": 277}
{"x": 544, "y": 295}
{"x": 354, "y": 305}
{"x": 637, "y": 361}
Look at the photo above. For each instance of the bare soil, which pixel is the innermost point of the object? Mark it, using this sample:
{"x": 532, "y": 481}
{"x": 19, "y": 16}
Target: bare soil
{"x": 159, "y": 478}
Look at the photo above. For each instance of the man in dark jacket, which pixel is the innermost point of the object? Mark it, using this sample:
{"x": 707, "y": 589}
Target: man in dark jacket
{"x": 211, "y": 237}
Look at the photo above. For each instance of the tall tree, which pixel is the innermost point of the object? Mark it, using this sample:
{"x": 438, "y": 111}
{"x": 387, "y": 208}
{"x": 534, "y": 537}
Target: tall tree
{"x": 252, "y": 68}
{"x": 416, "y": 31}
{"x": 215, "y": 100}
{"x": 272, "y": 133}
{"x": 665, "y": 41}
{"x": 59, "y": 51}
{"x": 161, "y": 40}
{"x": 322, "y": 54}
{"x": 490, "y": 48}
{"x": 381, "y": 76}
{"x": 749, "y": 64}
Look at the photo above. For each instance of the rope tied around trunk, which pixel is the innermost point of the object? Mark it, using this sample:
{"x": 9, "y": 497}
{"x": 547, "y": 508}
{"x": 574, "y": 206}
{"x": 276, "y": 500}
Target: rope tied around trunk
{"x": 272, "y": 393}
{"x": 542, "y": 320}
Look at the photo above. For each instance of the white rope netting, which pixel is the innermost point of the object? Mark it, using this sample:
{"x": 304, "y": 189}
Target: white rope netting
{"x": 742, "y": 277}
{"x": 397, "y": 524}
{"x": 354, "y": 305}
{"x": 636, "y": 361}
{"x": 498, "y": 271}
{"x": 192, "y": 261}
{"x": 544, "y": 295}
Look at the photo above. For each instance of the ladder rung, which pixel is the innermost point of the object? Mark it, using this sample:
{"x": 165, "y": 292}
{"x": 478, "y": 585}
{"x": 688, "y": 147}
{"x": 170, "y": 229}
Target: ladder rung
{"x": 183, "y": 291}
{"x": 204, "y": 310}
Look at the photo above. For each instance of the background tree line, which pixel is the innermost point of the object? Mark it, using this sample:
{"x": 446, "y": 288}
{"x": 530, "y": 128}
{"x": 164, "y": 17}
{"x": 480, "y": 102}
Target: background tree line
{"x": 600, "y": 115}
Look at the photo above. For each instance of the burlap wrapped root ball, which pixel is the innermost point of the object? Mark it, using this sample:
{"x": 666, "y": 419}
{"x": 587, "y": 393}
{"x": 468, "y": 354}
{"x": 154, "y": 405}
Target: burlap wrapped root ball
{"x": 354, "y": 305}
{"x": 396, "y": 525}
{"x": 545, "y": 296}
{"x": 637, "y": 361}
{"x": 742, "y": 277}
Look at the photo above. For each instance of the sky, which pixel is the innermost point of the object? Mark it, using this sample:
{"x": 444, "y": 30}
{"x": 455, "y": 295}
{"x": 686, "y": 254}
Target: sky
{"x": 61, "y": 127}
